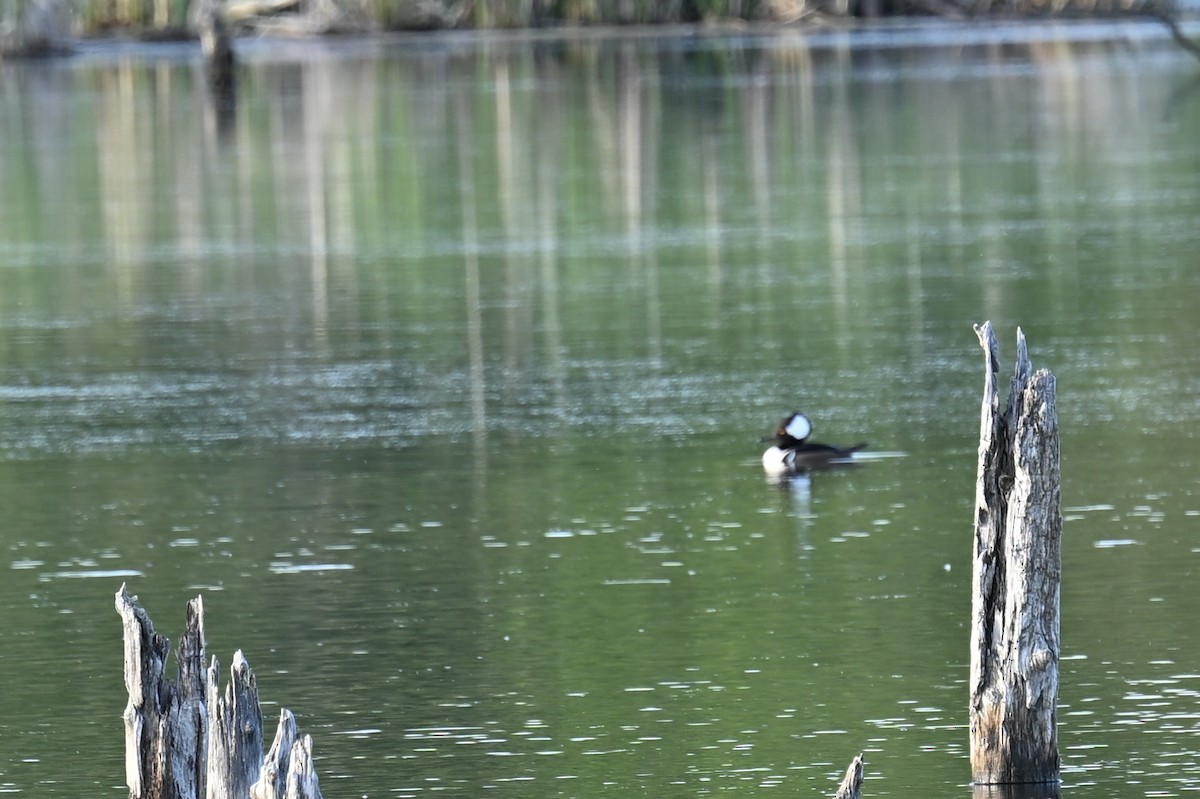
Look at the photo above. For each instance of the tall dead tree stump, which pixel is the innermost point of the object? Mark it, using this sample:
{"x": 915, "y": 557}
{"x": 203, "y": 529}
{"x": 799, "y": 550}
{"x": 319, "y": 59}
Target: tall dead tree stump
{"x": 184, "y": 739}
{"x": 216, "y": 43}
{"x": 1016, "y": 572}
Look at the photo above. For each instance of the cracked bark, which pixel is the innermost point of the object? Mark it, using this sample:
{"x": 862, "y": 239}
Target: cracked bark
{"x": 184, "y": 739}
{"x": 1016, "y": 572}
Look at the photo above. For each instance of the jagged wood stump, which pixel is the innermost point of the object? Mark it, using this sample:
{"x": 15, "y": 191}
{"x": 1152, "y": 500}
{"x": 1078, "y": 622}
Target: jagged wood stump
{"x": 851, "y": 785}
{"x": 184, "y": 739}
{"x": 216, "y": 43}
{"x": 1016, "y": 571}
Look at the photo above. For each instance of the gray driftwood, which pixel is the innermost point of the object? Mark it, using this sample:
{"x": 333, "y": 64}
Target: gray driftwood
{"x": 1016, "y": 572}
{"x": 184, "y": 739}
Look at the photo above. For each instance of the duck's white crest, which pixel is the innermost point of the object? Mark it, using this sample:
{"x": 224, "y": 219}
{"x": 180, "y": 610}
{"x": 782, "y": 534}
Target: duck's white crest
{"x": 798, "y": 427}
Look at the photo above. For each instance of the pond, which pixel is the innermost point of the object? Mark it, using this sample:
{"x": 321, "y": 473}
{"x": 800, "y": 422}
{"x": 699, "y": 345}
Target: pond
{"x": 439, "y": 367}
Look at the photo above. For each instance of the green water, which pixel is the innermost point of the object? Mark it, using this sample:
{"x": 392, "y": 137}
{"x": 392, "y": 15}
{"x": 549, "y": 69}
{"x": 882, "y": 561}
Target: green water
{"x": 439, "y": 369}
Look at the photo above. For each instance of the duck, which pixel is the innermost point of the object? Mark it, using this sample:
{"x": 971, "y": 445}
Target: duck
{"x": 793, "y": 453}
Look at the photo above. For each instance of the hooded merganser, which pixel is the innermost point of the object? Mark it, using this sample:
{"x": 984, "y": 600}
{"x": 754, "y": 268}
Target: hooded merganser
{"x": 793, "y": 454}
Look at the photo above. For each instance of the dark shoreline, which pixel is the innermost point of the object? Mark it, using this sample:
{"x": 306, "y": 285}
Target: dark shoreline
{"x": 874, "y": 32}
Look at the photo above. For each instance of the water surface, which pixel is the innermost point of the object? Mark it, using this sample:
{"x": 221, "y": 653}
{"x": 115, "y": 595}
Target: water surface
{"x": 439, "y": 369}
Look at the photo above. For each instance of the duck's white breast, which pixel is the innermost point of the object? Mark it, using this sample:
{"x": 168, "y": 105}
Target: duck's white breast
{"x": 776, "y": 460}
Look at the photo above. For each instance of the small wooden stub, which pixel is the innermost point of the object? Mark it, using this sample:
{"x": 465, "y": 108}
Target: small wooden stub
{"x": 851, "y": 785}
{"x": 185, "y": 739}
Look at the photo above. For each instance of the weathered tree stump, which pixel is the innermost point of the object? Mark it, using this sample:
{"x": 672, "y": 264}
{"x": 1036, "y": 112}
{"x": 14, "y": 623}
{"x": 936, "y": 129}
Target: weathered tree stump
{"x": 235, "y": 729}
{"x": 851, "y": 785}
{"x": 216, "y": 44}
{"x": 1016, "y": 572}
{"x": 287, "y": 770}
{"x": 184, "y": 739}
{"x": 209, "y": 19}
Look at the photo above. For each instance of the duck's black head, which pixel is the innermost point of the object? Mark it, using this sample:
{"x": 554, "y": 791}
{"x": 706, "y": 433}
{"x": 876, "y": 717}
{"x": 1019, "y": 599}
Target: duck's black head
{"x": 792, "y": 431}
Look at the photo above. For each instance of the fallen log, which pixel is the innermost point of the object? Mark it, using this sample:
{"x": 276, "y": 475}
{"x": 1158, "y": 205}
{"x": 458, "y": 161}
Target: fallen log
{"x": 186, "y": 740}
{"x": 239, "y": 11}
{"x": 1016, "y": 572}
